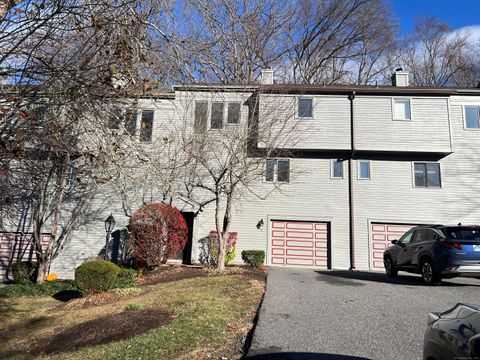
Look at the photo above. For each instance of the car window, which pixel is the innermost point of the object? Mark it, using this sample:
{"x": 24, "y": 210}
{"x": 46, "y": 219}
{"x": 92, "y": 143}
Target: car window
{"x": 405, "y": 239}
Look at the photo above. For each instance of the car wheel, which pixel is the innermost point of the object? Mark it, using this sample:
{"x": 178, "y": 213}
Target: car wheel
{"x": 430, "y": 277}
{"x": 390, "y": 268}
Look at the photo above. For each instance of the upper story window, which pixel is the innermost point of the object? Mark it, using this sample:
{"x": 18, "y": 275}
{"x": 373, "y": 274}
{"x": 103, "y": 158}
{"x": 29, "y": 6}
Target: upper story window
{"x": 337, "y": 169}
{"x": 277, "y": 170}
{"x": 233, "y": 115}
{"x": 131, "y": 122}
{"x": 472, "y": 118}
{"x": 305, "y": 108}
{"x": 402, "y": 109}
{"x": 146, "y": 125}
{"x": 216, "y": 117}
{"x": 201, "y": 117}
{"x": 364, "y": 169}
{"x": 427, "y": 175}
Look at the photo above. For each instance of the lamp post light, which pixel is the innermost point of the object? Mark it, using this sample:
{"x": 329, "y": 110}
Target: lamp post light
{"x": 109, "y": 224}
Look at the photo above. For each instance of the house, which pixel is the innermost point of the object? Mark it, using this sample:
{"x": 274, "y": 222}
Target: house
{"x": 367, "y": 164}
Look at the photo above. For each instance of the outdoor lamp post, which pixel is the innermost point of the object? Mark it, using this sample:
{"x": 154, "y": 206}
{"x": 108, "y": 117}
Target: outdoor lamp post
{"x": 109, "y": 224}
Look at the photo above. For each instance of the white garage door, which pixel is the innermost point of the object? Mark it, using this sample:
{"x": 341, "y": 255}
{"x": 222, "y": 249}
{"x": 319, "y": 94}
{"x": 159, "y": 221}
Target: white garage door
{"x": 299, "y": 243}
{"x": 381, "y": 235}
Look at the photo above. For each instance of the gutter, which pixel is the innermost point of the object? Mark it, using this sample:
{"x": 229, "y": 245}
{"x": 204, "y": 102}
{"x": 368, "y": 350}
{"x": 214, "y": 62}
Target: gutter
{"x": 351, "y": 210}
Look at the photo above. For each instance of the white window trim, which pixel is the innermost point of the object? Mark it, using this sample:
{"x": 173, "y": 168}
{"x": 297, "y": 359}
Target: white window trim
{"x": 369, "y": 170}
{"x": 332, "y": 162}
{"x": 275, "y": 172}
{"x": 426, "y": 187}
{"x": 296, "y": 107}
{"x": 225, "y": 120}
{"x": 393, "y": 108}
{"x": 464, "y": 115}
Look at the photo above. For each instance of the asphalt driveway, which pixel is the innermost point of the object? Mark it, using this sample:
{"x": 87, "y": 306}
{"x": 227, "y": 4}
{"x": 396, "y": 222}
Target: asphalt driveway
{"x": 310, "y": 314}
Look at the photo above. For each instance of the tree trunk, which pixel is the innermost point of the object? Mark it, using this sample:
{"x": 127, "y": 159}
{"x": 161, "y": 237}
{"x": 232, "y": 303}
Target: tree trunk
{"x": 43, "y": 267}
{"x": 224, "y": 234}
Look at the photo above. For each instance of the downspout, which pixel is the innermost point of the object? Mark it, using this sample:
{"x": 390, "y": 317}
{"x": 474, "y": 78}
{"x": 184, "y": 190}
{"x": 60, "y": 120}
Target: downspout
{"x": 350, "y": 183}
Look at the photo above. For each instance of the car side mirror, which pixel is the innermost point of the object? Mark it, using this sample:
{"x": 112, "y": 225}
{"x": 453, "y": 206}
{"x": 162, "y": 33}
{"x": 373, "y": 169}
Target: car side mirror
{"x": 474, "y": 346}
{"x": 394, "y": 242}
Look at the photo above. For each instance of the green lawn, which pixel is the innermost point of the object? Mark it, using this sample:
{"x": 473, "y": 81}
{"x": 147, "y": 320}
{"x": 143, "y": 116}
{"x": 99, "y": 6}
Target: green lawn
{"x": 209, "y": 315}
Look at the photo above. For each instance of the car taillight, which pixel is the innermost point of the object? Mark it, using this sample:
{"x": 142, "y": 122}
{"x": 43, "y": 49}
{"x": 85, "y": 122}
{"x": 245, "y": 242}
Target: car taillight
{"x": 450, "y": 245}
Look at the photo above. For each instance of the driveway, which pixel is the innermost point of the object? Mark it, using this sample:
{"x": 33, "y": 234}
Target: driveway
{"x": 310, "y": 314}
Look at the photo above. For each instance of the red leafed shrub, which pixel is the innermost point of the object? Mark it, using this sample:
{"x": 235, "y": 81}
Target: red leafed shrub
{"x": 157, "y": 233}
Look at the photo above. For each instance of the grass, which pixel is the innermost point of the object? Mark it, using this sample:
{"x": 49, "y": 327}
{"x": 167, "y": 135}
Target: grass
{"x": 208, "y": 314}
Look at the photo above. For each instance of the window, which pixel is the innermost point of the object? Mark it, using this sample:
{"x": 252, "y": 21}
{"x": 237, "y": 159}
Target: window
{"x": 405, "y": 239}
{"x": 364, "y": 169}
{"x": 305, "y": 108}
{"x": 146, "y": 126}
{"x": 472, "y": 118}
{"x": 277, "y": 170}
{"x": 233, "y": 113}
{"x": 337, "y": 169}
{"x": 216, "y": 120}
{"x": 427, "y": 175}
{"x": 131, "y": 122}
{"x": 401, "y": 109}
{"x": 201, "y": 116}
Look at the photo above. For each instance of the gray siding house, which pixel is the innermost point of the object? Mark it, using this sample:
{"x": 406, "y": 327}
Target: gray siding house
{"x": 369, "y": 163}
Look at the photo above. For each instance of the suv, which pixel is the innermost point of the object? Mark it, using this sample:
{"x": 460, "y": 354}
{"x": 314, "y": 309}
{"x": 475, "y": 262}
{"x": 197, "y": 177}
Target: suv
{"x": 436, "y": 252}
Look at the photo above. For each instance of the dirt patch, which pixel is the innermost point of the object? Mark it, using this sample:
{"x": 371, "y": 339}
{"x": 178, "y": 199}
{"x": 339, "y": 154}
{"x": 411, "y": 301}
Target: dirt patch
{"x": 104, "y": 330}
{"x": 107, "y": 297}
{"x": 170, "y": 273}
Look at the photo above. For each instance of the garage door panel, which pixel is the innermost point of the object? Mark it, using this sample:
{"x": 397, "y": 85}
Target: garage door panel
{"x": 302, "y": 243}
{"x": 381, "y": 236}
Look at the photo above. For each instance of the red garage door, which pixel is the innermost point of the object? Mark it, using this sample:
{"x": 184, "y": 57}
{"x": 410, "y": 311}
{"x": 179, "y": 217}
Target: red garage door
{"x": 299, "y": 243}
{"x": 16, "y": 247}
{"x": 381, "y": 236}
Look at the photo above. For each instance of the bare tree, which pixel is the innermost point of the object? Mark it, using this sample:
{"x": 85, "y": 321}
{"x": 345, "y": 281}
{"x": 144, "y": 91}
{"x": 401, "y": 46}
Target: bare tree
{"x": 329, "y": 39}
{"x": 72, "y": 69}
{"x": 434, "y": 54}
{"x": 229, "y": 41}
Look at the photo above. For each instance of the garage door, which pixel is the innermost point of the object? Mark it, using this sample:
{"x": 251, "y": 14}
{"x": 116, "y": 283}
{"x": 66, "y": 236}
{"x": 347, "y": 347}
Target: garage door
{"x": 381, "y": 235}
{"x": 16, "y": 247}
{"x": 299, "y": 243}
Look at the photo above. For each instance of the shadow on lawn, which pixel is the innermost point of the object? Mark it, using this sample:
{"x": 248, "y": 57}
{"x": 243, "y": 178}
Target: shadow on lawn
{"x": 303, "y": 356}
{"x": 344, "y": 277}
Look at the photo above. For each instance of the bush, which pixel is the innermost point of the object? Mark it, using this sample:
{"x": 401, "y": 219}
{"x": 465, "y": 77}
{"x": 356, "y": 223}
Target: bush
{"x": 211, "y": 247}
{"x": 230, "y": 255}
{"x": 253, "y": 258}
{"x": 25, "y": 272}
{"x": 157, "y": 233}
{"x": 96, "y": 276}
{"x": 45, "y": 289}
{"x": 126, "y": 278}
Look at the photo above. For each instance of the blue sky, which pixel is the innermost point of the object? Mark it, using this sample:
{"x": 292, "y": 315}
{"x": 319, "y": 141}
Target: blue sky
{"x": 457, "y": 13}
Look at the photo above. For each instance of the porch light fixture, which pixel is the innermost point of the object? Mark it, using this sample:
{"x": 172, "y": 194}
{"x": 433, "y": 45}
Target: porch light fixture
{"x": 260, "y": 224}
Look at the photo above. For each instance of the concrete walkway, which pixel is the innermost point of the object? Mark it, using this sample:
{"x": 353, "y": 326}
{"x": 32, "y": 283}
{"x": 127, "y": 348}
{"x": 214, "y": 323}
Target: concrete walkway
{"x": 310, "y": 314}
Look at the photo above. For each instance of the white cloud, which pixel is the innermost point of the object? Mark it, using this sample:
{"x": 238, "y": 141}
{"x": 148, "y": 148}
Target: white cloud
{"x": 471, "y": 31}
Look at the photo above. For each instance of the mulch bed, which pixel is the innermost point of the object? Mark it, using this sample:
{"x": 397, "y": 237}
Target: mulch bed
{"x": 168, "y": 273}
{"x": 104, "y": 330}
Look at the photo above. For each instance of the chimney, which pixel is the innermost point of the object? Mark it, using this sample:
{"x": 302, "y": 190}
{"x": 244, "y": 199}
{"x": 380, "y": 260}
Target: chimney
{"x": 267, "y": 76}
{"x": 400, "y": 78}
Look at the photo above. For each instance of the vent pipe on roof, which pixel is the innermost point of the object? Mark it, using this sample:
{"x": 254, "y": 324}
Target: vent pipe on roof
{"x": 267, "y": 76}
{"x": 400, "y": 78}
